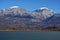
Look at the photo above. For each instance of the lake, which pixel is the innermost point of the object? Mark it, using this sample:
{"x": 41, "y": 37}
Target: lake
{"x": 29, "y": 35}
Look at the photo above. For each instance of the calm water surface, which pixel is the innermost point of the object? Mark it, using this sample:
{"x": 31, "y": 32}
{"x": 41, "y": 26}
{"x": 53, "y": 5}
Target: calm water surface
{"x": 25, "y": 35}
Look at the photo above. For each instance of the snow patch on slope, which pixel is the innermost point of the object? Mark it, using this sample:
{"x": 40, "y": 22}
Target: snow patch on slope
{"x": 43, "y": 8}
{"x": 15, "y": 7}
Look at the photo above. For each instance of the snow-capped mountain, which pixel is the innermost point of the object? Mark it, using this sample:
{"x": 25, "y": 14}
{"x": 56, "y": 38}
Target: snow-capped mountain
{"x": 18, "y": 17}
{"x": 43, "y": 13}
{"x": 14, "y": 11}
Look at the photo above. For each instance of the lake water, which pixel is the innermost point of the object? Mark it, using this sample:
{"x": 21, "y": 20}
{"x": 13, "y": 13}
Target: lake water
{"x": 25, "y": 35}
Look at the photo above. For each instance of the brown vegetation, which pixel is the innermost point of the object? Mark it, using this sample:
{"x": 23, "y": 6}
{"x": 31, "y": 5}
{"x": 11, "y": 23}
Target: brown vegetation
{"x": 32, "y": 28}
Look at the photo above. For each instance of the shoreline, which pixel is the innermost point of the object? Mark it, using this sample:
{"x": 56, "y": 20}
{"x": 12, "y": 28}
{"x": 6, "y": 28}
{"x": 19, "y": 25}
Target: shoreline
{"x": 29, "y": 30}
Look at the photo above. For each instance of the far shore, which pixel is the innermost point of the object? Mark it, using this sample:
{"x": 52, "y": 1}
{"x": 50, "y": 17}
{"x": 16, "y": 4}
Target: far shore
{"x": 30, "y": 29}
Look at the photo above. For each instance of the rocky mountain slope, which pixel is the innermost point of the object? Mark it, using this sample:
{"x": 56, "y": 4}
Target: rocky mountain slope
{"x": 19, "y": 17}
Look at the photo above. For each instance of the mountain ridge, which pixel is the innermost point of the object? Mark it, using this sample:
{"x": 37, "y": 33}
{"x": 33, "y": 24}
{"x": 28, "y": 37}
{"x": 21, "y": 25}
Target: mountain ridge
{"x": 19, "y": 17}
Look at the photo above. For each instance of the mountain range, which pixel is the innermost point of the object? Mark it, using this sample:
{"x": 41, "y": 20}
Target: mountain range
{"x": 18, "y": 17}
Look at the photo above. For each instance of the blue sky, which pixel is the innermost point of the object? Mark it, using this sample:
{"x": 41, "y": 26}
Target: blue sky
{"x": 31, "y": 4}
